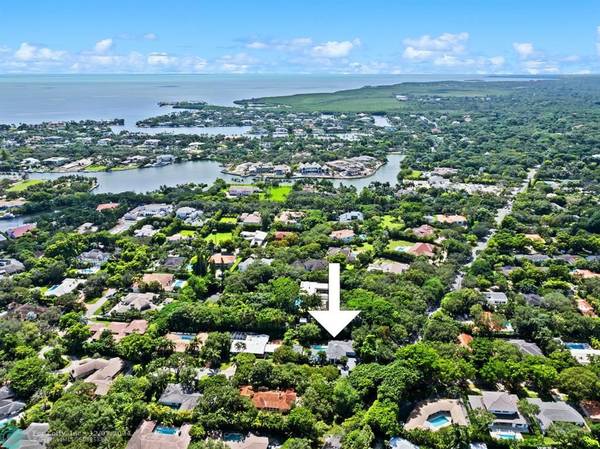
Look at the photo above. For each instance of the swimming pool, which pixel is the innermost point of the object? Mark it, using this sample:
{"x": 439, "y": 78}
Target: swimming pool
{"x": 237, "y": 437}
{"x": 166, "y": 430}
{"x": 187, "y": 337}
{"x": 179, "y": 283}
{"x": 439, "y": 420}
{"x": 319, "y": 348}
{"x": 507, "y": 436}
{"x": 577, "y": 345}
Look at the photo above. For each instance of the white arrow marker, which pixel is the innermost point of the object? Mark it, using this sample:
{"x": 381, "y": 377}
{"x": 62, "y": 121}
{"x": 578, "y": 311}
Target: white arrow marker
{"x": 334, "y": 320}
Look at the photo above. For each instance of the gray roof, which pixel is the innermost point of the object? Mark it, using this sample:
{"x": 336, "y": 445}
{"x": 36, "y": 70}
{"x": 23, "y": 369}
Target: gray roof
{"x": 503, "y": 405}
{"x": 9, "y": 406}
{"x": 10, "y": 266}
{"x": 526, "y": 347}
{"x": 36, "y": 436}
{"x": 176, "y": 395}
{"x": 551, "y": 412}
{"x": 336, "y": 349}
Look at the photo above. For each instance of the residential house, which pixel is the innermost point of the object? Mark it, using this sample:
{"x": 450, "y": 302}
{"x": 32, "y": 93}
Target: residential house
{"x": 178, "y": 397}
{"x": 388, "y": 266}
{"x": 290, "y": 217}
{"x": 555, "y": 412}
{"x": 504, "y": 407}
{"x": 256, "y": 238}
{"x": 315, "y": 288}
{"x": 591, "y": 409}
{"x": 35, "y": 436}
{"x": 8, "y": 267}
{"x": 343, "y": 235}
{"x": 249, "y": 343}
{"x": 183, "y": 340}
{"x": 241, "y": 191}
{"x": 458, "y": 220}
{"x": 118, "y": 330}
{"x": 140, "y": 302}
{"x": 465, "y": 340}
{"x": 275, "y": 401}
{"x": 106, "y": 206}
{"x": 253, "y": 219}
{"x": 401, "y": 443}
{"x": 222, "y": 260}
{"x": 495, "y": 298}
{"x": 434, "y": 415}
{"x": 151, "y": 435}
{"x": 584, "y": 307}
{"x": 165, "y": 280}
{"x": 173, "y": 263}
{"x": 423, "y": 231}
{"x": 351, "y": 216}
{"x": 100, "y": 372}
{"x": 250, "y": 441}
{"x": 244, "y": 265}
{"x": 94, "y": 257}
{"x": 68, "y": 285}
{"x": 19, "y": 231}
{"x": 9, "y": 405}
{"x": 422, "y": 249}
{"x": 526, "y": 347}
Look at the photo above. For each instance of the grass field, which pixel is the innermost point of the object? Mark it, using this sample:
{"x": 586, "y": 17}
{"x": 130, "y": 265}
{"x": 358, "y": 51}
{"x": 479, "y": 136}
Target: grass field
{"x": 383, "y": 98}
{"x": 279, "y": 193}
{"x": 231, "y": 220}
{"x": 219, "y": 237}
{"x": 23, "y": 185}
{"x": 95, "y": 168}
{"x": 366, "y": 246}
{"x": 391, "y": 223}
{"x": 393, "y": 244}
{"x": 187, "y": 233}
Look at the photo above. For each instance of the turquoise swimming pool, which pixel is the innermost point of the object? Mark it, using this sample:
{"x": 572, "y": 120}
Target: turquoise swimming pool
{"x": 166, "y": 430}
{"x": 439, "y": 420}
{"x": 236, "y": 437}
{"x": 187, "y": 337}
{"x": 319, "y": 348}
{"x": 577, "y": 345}
{"x": 507, "y": 436}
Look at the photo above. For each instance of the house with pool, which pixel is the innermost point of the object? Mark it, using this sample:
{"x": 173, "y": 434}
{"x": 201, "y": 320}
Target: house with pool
{"x": 434, "y": 415}
{"x": 178, "y": 397}
{"x": 152, "y": 435}
{"x": 508, "y": 422}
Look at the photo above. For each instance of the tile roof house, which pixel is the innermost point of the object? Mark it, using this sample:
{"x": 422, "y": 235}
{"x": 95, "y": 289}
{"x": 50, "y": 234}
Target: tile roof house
{"x": 336, "y": 349}
{"x": 424, "y": 231}
{"x": 344, "y": 235}
{"x": 100, "y": 372}
{"x": 178, "y": 398}
{"x": 526, "y": 347}
{"x": 278, "y": 401}
{"x": 149, "y": 436}
{"x": 421, "y": 417}
{"x": 253, "y": 219}
{"x": 119, "y": 330}
{"x": 183, "y": 340}
{"x": 584, "y": 307}
{"x": 465, "y": 340}
{"x": 224, "y": 260}
{"x": 553, "y": 412}
{"x": 290, "y": 217}
{"x": 504, "y": 408}
{"x": 591, "y": 409}
{"x": 422, "y": 249}
{"x": 68, "y": 285}
{"x": 9, "y": 405}
{"x": 20, "y": 231}
{"x": 164, "y": 279}
{"x": 451, "y": 219}
{"x": 106, "y": 206}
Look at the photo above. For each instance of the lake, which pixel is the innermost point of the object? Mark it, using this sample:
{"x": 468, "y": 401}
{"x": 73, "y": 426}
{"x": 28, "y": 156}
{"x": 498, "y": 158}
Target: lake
{"x": 206, "y": 172}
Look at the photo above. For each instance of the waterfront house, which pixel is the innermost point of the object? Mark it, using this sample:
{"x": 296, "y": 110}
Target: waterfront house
{"x": 19, "y": 231}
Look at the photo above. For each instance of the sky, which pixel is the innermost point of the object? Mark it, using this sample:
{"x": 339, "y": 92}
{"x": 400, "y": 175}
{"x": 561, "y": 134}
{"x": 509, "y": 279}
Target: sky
{"x": 292, "y": 36}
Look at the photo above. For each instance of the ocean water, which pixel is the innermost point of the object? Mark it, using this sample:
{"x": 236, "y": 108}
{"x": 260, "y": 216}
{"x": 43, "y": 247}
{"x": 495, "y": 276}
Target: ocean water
{"x": 38, "y": 98}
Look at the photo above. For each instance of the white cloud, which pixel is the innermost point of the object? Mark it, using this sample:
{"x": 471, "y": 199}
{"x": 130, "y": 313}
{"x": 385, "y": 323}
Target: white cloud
{"x": 28, "y": 52}
{"x": 536, "y": 67}
{"x": 446, "y": 42}
{"x": 150, "y": 36}
{"x": 160, "y": 59}
{"x": 334, "y": 49}
{"x": 416, "y": 54}
{"x": 497, "y": 60}
{"x": 102, "y": 46}
{"x": 524, "y": 49}
{"x": 256, "y": 45}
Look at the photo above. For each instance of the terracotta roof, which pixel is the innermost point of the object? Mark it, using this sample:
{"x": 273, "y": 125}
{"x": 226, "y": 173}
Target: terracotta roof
{"x": 342, "y": 234}
{"x": 222, "y": 259}
{"x": 591, "y": 409}
{"x": 585, "y": 308}
{"x": 106, "y": 206}
{"x": 465, "y": 340}
{"x": 422, "y": 249}
{"x": 270, "y": 400}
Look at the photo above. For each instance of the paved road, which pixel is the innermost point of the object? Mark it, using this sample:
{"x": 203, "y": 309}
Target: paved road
{"x": 501, "y": 214}
{"x": 93, "y": 308}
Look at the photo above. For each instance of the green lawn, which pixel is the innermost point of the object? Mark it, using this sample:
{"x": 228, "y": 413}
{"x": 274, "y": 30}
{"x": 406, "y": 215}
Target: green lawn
{"x": 366, "y": 246}
{"x": 391, "y": 223}
{"x": 24, "y": 185}
{"x": 393, "y": 244}
{"x": 123, "y": 167}
{"x": 95, "y": 168}
{"x": 279, "y": 193}
{"x": 187, "y": 233}
{"x": 231, "y": 220}
{"x": 219, "y": 237}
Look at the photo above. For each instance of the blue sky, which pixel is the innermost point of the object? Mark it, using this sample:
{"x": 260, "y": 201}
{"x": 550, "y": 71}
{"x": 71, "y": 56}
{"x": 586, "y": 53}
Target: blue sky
{"x": 288, "y": 36}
